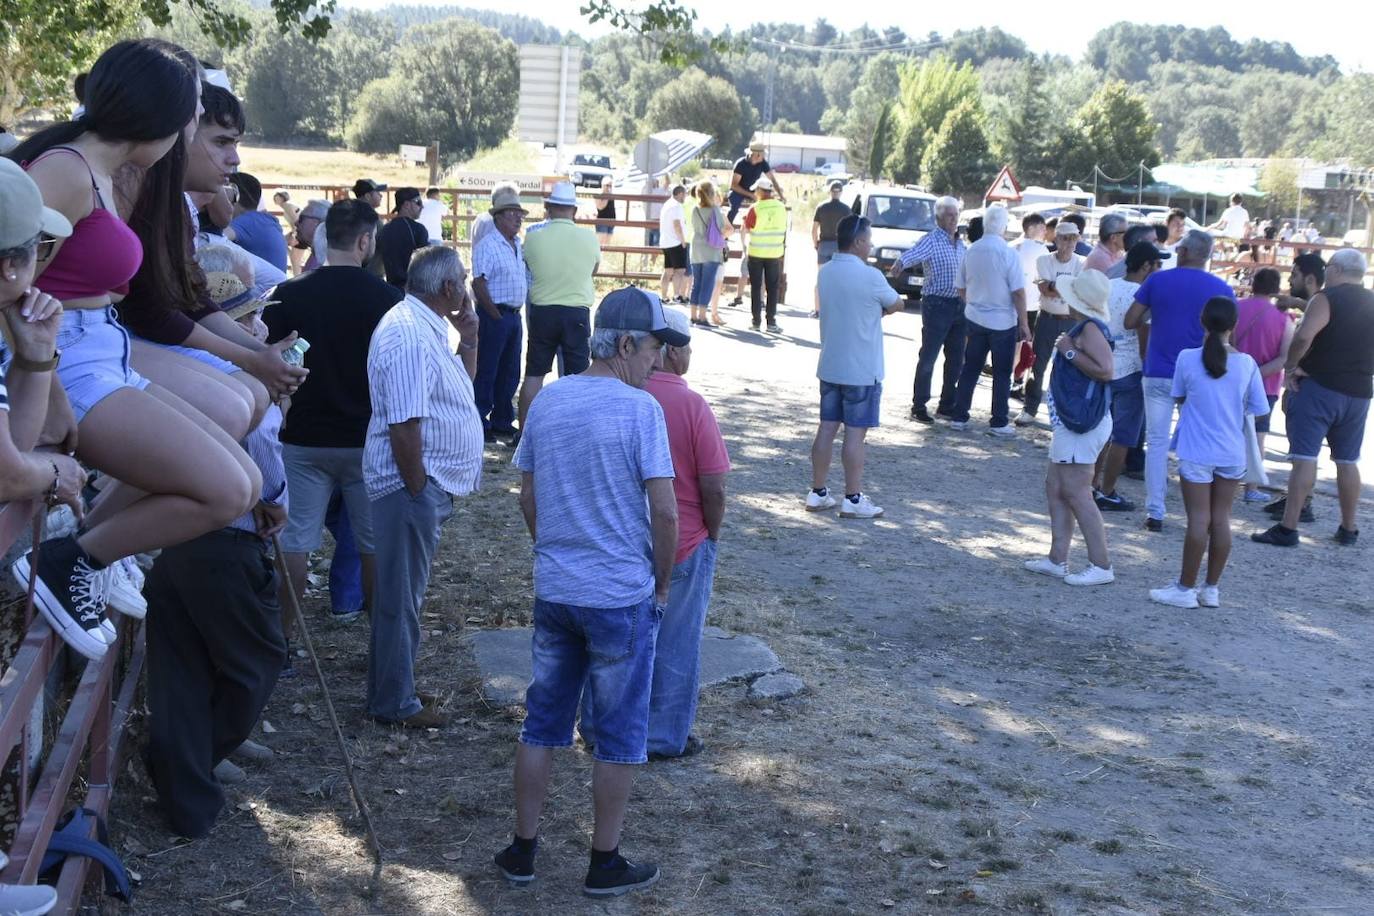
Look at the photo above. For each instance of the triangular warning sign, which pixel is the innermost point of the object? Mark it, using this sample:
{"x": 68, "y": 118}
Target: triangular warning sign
{"x": 1004, "y": 186}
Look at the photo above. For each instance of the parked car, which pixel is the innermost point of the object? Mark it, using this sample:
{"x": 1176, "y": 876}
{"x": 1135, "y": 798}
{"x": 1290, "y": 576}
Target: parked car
{"x": 901, "y": 217}
{"x": 786, "y": 168}
{"x": 587, "y": 169}
{"x": 832, "y": 170}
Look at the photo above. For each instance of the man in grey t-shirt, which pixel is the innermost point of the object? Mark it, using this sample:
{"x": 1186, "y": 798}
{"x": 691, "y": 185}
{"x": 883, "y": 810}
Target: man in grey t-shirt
{"x": 593, "y": 454}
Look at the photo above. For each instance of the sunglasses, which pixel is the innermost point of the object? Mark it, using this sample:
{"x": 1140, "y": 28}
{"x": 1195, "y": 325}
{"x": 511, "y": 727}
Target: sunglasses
{"x": 46, "y": 244}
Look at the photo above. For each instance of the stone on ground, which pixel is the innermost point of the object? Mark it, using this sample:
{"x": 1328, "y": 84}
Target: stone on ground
{"x": 778, "y": 686}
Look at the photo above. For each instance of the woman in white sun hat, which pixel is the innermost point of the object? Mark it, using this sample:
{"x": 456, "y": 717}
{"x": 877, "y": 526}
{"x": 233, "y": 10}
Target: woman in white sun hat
{"x": 1079, "y": 402}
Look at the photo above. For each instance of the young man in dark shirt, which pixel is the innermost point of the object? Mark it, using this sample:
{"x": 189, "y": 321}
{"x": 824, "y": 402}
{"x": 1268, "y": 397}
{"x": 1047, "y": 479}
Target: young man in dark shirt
{"x": 400, "y": 237}
{"x": 825, "y": 231}
{"x": 748, "y": 169}
{"x": 335, "y": 309}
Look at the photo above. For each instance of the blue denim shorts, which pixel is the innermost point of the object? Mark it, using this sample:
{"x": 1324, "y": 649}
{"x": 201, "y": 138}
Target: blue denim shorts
{"x": 612, "y": 651}
{"x": 312, "y": 475}
{"x": 1128, "y": 410}
{"x": 95, "y": 357}
{"x": 852, "y": 405}
{"x": 1314, "y": 413}
{"x": 201, "y": 356}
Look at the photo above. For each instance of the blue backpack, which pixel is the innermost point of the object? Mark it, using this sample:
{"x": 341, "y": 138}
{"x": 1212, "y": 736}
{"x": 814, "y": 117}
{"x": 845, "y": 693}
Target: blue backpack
{"x": 1079, "y": 401}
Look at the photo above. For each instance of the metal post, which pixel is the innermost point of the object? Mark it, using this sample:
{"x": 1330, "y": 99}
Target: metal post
{"x": 1140, "y": 185}
{"x": 562, "y": 103}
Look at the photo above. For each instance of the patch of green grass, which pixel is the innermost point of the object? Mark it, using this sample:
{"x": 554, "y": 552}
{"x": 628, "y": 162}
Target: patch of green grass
{"x": 1001, "y": 865}
{"x": 973, "y": 827}
{"x": 1109, "y": 847}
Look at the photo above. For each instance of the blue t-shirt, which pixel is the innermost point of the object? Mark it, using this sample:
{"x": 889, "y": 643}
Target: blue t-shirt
{"x": 591, "y": 443}
{"x": 261, "y": 234}
{"x": 1211, "y": 422}
{"x": 1176, "y": 298}
{"x": 853, "y": 296}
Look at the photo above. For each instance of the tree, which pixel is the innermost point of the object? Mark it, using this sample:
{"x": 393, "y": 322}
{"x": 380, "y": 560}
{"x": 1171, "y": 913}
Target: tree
{"x": 667, "y": 23}
{"x": 459, "y": 83}
{"x": 1026, "y": 137}
{"x": 359, "y": 47}
{"x": 1279, "y": 181}
{"x": 881, "y": 144}
{"x": 289, "y": 102}
{"x": 1113, "y": 130}
{"x": 957, "y": 159}
{"x": 930, "y": 91}
{"x": 1349, "y": 107}
{"x": 877, "y": 88}
{"x": 44, "y": 43}
{"x": 1213, "y": 133}
{"x": 709, "y": 104}
{"x": 980, "y": 45}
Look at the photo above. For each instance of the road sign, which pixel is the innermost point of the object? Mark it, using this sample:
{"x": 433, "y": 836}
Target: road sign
{"x": 1004, "y": 187}
{"x": 651, "y": 156}
{"x": 416, "y": 154}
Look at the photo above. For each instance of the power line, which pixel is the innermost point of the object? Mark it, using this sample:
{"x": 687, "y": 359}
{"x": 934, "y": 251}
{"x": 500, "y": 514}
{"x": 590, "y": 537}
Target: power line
{"x": 831, "y": 49}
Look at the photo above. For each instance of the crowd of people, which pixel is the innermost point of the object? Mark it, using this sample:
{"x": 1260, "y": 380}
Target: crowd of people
{"x": 205, "y": 393}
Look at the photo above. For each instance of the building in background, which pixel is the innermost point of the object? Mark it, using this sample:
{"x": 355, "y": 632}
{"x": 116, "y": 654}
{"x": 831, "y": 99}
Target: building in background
{"x": 801, "y": 152}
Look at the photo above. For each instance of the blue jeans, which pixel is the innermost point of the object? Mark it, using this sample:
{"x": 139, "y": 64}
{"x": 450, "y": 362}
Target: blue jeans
{"x": 852, "y": 405}
{"x": 346, "y": 566}
{"x": 498, "y": 368}
{"x": 704, "y": 281}
{"x": 677, "y": 658}
{"x": 1159, "y": 428}
{"x": 409, "y": 527}
{"x": 1002, "y": 345}
{"x": 942, "y": 326}
{"x": 611, "y": 651}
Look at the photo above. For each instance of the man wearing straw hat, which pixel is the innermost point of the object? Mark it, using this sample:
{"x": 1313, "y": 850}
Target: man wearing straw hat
{"x": 501, "y": 286}
{"x": 562, "y": 258}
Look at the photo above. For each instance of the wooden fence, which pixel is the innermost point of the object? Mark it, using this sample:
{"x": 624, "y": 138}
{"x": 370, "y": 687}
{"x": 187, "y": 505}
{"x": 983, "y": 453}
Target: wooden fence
{"x": 83, "y": 760}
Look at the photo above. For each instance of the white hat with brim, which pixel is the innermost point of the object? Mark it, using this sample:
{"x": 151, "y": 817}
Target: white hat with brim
{"x": 503, "y": 199}
{"x": 763, "y": 184}
{"x": 22, "y": 214}
{"x": 562, "y": 194}
{"x": 1086, "y": 293}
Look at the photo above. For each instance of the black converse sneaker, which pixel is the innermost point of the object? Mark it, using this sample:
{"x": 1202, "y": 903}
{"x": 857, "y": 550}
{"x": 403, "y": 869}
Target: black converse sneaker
{"x": 515, "y": 866}
{"x": 70, "y": 594}
{"x": 618, "y": 876}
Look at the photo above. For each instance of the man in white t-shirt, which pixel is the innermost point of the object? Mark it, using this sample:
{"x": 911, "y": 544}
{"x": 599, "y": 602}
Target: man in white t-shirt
{"x": 1054, "y": 313}
{"x": 1235, "y": 221}
{"x": 672, "y": 238}
{"x": 1029, "y": 247}
{"x": 432, "y": 216}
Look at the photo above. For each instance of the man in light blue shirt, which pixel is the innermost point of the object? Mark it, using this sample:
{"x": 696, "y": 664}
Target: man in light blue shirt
{"x": 854, "y": 298}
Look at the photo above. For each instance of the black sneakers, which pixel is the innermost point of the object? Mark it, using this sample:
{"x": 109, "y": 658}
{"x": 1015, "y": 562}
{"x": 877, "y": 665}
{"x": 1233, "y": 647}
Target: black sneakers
{"x": 1112, "y": 502}
{"x": 1345, "y": 537}
{"x": 1278, "y": 506}
{"x": 921, "y": 415}
{"x": 619, "y": 876}
{"x": 516, "y": 867}
{"x": 1154, "y": 524}
{"x": 70, "y": 594}
{"x": 1278, "y": 535}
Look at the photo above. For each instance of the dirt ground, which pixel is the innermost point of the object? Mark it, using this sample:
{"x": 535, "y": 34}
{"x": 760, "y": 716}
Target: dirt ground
{"x": 973, "y": 736}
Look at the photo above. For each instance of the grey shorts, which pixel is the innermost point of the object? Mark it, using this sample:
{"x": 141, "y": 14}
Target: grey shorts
{"x": 95, "y": 358}
{"x": 312, "y": 475}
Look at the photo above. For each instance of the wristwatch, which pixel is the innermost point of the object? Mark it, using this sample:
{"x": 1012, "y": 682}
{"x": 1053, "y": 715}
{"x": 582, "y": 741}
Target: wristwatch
{"x": 1070, "y": 353}
{"x": 32, "y": 365}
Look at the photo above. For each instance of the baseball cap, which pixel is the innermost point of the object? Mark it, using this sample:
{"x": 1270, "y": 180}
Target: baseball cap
{"x": 22, "y": 214}
{"x": 1142, "y": 253}
{"x": 1065, "y": 228}
{"x": 366, "y": 186}
{"x": 763, "y": 184}
{"x": 635, "y": 309}
{"x": 403, "y": 195}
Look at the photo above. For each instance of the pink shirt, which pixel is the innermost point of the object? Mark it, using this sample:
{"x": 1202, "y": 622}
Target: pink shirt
{"x": 697, "y": 448}
{"x": 1101, "y": 258}
{"x": 1259, "y": 332}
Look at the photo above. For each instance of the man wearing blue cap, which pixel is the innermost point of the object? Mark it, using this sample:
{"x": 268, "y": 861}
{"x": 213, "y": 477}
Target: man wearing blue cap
{"x": 597, "y": 494}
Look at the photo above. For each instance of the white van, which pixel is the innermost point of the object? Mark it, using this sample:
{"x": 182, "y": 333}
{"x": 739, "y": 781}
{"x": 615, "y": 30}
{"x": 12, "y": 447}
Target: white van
{"x": 901, "y": 216}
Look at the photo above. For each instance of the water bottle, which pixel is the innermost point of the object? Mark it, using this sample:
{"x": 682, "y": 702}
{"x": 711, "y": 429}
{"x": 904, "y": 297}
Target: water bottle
{"x": 294, "y": 355}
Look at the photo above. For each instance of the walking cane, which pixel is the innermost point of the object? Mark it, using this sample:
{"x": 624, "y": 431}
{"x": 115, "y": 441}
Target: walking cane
{"x": 359, "y": 803}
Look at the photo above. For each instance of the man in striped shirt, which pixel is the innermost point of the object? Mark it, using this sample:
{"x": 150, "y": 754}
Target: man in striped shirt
{"x": 940, "y": 252}
{"x": 424, "y": 447}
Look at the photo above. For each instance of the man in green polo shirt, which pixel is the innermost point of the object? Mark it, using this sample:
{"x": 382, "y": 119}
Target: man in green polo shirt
{"x": 561, "y": 257}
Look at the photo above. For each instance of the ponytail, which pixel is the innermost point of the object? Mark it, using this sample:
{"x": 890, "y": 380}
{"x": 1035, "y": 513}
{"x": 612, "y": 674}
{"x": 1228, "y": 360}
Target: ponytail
{"x": 1219, "y": 318}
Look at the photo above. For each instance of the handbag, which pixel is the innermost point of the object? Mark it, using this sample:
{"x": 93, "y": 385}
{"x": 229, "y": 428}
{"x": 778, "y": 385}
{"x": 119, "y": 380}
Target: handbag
{"x": 714, "y": 237}
{"x": 1080, "y": 401}
{"x": 1255, "y": 474}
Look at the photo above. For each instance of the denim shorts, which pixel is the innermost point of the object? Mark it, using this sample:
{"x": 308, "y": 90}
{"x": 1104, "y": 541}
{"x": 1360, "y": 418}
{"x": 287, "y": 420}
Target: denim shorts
{"x": 1314, "y": 413}
{"x": 1262, "y": 423}
{"x": 1197, "y": 472}
{"x": 201, "y": 356}
{"x": 1128, "y": 410}
{"x": 612, "y": 651}
{"x": 312, "y": 474}
{"x": 95, "y": 357}
{"x": 852, "y": 405}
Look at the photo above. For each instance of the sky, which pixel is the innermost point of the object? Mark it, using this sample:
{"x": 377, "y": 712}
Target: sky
{"x": 1058, "y": 28}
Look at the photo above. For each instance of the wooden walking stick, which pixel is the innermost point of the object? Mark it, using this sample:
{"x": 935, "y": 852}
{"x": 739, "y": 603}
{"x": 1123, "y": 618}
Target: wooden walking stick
{"x": 359, "y": 803}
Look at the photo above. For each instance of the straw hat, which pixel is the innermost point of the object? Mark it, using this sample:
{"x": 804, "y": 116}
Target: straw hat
{"x": 234, "y": 299}
{"x": 505, "y": 199}
{"x": 1086, "y": 293}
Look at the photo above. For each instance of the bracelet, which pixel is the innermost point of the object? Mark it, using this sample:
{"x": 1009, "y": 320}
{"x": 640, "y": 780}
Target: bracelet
{"x": 51, "y": 495}
{"x": 32, "y": 365}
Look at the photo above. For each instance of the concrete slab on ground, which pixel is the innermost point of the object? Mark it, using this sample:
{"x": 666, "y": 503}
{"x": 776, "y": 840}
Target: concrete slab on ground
{"x": 503, "y": 658}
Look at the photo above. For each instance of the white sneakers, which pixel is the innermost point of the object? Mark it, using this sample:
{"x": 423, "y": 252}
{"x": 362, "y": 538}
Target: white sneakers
{"x": 1025, "y": 418}
{"x": 1047, "y": 567}
{"x": 1209, "y": 595}
{"x": 1175, "y": 595}
{"x": 815, "y": 502}
{"x": 25, "y": 899}
{"x": 1091, "y": 575}
{"x": 124, "y": 588}
{"x": 861, "y": 508}
{"x": 1002, "y": 432}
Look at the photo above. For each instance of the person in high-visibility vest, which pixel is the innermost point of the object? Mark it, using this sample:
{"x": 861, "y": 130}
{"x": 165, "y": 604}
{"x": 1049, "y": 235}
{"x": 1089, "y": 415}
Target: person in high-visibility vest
{"x": 766, "y": 224}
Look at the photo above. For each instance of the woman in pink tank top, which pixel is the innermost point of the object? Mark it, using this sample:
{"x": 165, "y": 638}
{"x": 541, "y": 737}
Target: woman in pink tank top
{"x": 181, "y": 475}
{"x": 1264, "y": 332}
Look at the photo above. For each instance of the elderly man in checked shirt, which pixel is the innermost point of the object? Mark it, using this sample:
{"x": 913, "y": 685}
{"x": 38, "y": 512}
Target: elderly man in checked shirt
{"x": 424, "y": 447}
{"x": 940, "y": 253}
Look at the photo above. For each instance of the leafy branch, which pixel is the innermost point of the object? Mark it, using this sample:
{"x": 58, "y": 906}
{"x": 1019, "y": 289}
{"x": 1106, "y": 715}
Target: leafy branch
{"x": 669, "y": 24}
